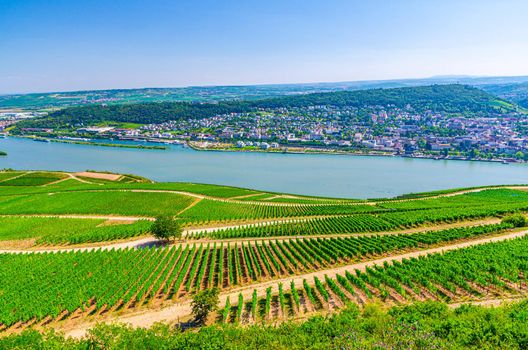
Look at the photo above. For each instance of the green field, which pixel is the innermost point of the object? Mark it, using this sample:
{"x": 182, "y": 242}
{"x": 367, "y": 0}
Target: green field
{"x": 33, "y": 179}
{"x": 65, "y": 230}
{"x": 114, "y": 278}
{"x": 273, "y": 257}
{"x": 104, "y": 203}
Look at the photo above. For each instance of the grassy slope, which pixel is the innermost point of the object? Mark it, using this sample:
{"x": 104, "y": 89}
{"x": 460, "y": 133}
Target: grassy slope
{"x": 52, "y": 231}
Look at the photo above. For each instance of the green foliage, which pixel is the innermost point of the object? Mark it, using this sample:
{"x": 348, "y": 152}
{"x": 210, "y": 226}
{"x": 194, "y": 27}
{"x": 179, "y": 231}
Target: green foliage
{"x": 436, "y": 98}
{"x": 516, "y": 220}
{"x": 34, "y": 179}
{"x": 225, "y": 312}
{"x": 166, "y": 228}
{"x": 71, "y": 280}
{"x": 66, "y": 230}
{"x": 429, "y": 325}
{"x": 96, "y": 202}
{"x": 203, "y": 303}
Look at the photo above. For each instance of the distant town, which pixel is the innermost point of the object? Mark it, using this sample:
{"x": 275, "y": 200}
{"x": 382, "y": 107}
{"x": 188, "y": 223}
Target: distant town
{"x": 383, "y": 130}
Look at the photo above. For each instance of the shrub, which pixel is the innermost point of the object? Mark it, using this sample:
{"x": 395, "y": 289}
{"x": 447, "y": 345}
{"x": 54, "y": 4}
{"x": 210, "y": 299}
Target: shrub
{"x": 203, "y": 303}
{"x": 517, "y": 220}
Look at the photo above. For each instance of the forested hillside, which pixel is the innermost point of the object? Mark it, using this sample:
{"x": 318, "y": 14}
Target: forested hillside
{"x": 448, "y": 99}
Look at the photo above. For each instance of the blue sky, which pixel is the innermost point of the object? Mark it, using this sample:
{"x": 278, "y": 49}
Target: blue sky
{"x": 57, "y": 45}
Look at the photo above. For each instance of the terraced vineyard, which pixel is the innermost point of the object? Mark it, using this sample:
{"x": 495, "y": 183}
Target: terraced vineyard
{"x": 210, "y": 210}
{"x": 272, "y": 256}
{"x": 386, "y": 221}
{"x": 32, "y": 179}
{"x": 100, "y": 281}
{"x": 47, "y": 230}
{"x": 495, "y": 270}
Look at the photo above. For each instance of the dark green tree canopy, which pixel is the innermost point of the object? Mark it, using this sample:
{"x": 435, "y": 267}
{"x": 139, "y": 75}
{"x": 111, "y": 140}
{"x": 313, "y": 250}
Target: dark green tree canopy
{"x": 448, "y": 99}
{"x": 203, "y": 303}
{"x": 166, "y": 228}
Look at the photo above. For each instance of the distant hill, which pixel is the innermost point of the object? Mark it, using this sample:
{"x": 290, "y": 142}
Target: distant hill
{"x": 449, "y": 99}
{"x": 453, "y": 98}
{"x": 517, "y": 93}
{"x": 230, "y": 93}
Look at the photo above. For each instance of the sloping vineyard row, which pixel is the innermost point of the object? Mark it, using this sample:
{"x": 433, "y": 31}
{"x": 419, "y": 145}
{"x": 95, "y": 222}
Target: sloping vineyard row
{"x": 38, "y": 285}
{"x": 210, "y": 210}
{"x": 496, "y": 270}
{"x": 363, "y": 223}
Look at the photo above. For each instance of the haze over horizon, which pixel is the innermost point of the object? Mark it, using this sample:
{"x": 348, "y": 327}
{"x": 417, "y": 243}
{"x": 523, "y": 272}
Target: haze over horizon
{"x": 65, "y": 46}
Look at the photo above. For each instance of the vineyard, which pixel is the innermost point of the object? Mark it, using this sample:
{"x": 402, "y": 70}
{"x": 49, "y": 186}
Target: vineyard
{"x": 72, "y": 231}
{"x": 272, "y": 256}
{"x": 104, "y": 203}
{"x": 33, "y": 179}
{"x": 490, "y": 271}
{"x": 36, "y": 286}
{"x": 358, "y": 223}
{"x": 210, "y": 210}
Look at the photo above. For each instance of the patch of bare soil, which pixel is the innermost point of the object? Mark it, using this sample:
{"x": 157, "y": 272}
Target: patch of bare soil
{"x": 102, "y": 176}
{"x": 18, "y": 243}
{"x": 113, "y": 222}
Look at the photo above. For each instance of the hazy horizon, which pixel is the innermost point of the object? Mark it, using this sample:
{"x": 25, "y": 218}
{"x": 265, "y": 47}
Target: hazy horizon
{"x": 58, "y": 45}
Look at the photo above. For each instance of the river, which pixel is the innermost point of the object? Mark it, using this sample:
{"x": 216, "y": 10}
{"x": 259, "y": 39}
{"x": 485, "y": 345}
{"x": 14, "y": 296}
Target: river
{"x": 320, "y": 175}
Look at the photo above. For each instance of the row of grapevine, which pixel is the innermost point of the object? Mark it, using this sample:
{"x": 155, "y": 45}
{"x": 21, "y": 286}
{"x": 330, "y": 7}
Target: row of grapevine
{"x": 38, "y": 285}
{"x": 208, "y": 210}
{"x": 359, "y": 223}
{"x": 480, "y": 272}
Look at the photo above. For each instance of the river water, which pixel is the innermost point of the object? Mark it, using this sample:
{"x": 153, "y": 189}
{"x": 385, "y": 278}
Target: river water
{"x": 321, "y": 175}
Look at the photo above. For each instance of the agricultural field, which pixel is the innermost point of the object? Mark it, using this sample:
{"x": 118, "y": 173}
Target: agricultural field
{"x": 49, "y": 230}
{"x": 103, "y": 203}
{"x": 33, "y": 179}
{"x": 489, "y": 271}
{"x": 77, "y": 248}
{"x": 111, "y": 280}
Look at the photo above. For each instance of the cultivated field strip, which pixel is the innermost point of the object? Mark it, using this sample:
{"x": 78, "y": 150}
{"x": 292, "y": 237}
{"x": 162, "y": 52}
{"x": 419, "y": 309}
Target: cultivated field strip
{"x": 486, "y": 272}
{"x": 359, "y": 223}
{"x": 36, "y": 287}
{"x": 69, "y": 230}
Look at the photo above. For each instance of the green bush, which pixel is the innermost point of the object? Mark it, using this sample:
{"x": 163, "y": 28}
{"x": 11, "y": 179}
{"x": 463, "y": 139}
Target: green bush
{"x": 517, "y": 220}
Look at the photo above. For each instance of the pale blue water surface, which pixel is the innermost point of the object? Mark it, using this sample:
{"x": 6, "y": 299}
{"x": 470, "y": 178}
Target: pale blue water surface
{"x": 321, "y": 175}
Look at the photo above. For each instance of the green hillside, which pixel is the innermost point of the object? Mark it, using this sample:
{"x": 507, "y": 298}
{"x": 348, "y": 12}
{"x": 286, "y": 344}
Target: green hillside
{"x": 448, "y": 99}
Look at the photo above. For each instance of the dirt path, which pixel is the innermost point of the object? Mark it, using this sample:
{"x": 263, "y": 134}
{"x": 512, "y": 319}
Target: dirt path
{"x": 196, "y": 201}
{"x": 75, "y": 216}
{"x": 146, "y": 318}
{"x": 150, "y": 241}
{"x": 488, "y": 302}
{"x": 17, "y": 176}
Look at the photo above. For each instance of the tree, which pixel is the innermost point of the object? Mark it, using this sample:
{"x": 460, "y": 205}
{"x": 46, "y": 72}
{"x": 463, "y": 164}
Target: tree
{"x": 166, "y": 228}
{"x": 203, "y": 303}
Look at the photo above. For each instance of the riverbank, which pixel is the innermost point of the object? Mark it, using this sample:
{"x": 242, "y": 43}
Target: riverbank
{"x": 102, "y": 144}
{"x": 324, "y": 175}
{"x": 89, "y": 143}
{"x": 332, "y": 151}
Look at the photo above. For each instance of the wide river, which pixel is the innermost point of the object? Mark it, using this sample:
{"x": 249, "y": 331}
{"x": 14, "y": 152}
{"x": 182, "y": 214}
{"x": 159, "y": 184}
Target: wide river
{"x": 322, "y": 175}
